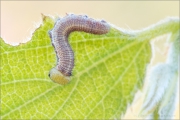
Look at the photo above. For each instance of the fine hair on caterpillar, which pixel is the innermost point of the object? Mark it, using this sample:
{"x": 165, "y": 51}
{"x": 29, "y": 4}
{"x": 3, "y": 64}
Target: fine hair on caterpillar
{"x": 59, "y": 37}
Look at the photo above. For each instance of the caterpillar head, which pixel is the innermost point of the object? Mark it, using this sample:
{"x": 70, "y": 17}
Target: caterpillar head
{"x": 57, "y": 77}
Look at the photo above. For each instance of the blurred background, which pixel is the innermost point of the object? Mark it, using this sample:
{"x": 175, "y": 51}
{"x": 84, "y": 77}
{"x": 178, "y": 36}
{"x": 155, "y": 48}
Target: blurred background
{"x": 20, "y": 18}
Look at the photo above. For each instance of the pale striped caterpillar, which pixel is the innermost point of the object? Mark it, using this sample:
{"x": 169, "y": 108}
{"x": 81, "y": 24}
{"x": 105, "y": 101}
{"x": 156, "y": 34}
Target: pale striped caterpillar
{"x": 59, "y": 36}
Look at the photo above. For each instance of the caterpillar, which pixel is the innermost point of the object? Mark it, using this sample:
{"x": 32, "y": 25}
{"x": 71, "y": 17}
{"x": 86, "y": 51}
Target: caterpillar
{"x": 59, "y": 37}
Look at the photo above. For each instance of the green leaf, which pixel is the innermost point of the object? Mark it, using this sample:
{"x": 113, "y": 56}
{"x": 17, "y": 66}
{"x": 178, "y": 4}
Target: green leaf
{"x": 161, "y": 94}
{"x": 109, "y": 69}
{"x": 162, "y": 91}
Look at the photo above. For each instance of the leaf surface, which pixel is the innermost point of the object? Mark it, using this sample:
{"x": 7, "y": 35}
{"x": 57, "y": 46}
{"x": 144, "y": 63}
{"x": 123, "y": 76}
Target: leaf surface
{"x": 109, "y": 69}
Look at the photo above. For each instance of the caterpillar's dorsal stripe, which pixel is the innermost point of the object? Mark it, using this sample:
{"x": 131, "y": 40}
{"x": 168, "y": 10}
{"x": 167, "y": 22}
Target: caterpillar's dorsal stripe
{"x": 59, "y": 37}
